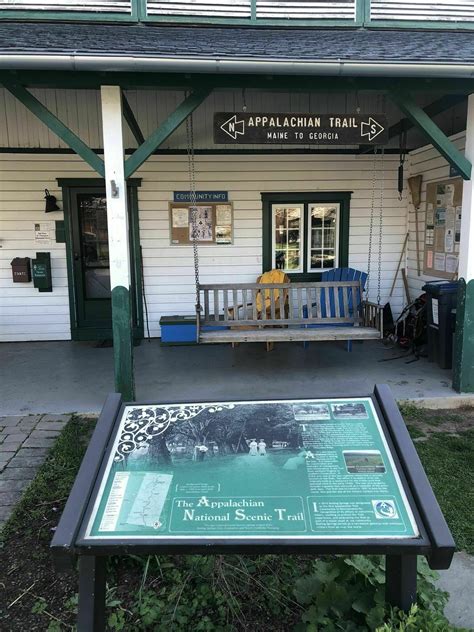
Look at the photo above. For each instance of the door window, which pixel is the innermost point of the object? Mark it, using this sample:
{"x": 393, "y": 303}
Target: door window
{"x": 94, "y": 245}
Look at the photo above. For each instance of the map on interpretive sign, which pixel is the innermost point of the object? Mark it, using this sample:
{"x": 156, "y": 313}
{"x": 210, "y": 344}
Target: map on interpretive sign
{"x": 258, "y": 470}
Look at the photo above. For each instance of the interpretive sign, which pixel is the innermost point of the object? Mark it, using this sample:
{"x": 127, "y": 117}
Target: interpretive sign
{"x": 300, "y": 129}
{"x": 336, "y": 475}
{"x": 268, "y": 469}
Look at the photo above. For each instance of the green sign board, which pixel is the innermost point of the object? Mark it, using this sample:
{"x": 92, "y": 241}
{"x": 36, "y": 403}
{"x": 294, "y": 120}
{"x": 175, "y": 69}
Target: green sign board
{"x": 268, "y": 469}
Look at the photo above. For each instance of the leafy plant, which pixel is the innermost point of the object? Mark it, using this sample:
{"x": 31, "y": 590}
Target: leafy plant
{"x": 349, "y": 594}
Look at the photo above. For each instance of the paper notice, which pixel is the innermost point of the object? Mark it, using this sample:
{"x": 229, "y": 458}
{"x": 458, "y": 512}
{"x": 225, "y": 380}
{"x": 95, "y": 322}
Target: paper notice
{"x": 449, "y": 194}
{"x": 223, "y": 235}
{"x": 43, "y": 233}
{"x": 451, "y": 263}
{"x": 440, "y": 261}
{"x": 429, "y": 240}
{"x": 429, "y": 215}
{"x": 449, "y": 241}
{"x": 180, "y": 217}
{"x": 435, "y": 311}
{"x": 457, "y": 225}
{"x": 114, "y": 502}
{"x": 429, "y": 259}
{"x": 204, "y": 227}
{"x": 223, "y": 214}
{"x": 439, "y": 239}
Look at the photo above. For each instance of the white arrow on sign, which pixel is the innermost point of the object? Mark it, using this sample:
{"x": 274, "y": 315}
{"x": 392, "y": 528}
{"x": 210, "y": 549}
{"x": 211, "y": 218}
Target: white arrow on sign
{"x": 233, "y": 127}
{"x": 371, "y": 129}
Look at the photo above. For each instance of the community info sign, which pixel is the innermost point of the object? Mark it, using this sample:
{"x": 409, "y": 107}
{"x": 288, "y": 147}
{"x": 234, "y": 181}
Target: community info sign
{"x": 259, "y": 470}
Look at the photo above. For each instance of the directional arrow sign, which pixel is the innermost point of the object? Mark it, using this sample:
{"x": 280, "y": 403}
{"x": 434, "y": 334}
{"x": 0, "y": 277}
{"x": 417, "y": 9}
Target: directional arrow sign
{"x": 310, "y": 129}
{"x": 371, "y": 129}
{"x": 233, "y": 127}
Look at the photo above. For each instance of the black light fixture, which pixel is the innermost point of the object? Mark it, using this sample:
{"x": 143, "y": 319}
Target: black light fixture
{"x": 50, "y": 202}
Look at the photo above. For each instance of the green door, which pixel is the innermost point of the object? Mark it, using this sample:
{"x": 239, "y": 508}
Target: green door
{"x": 91, "y": 306}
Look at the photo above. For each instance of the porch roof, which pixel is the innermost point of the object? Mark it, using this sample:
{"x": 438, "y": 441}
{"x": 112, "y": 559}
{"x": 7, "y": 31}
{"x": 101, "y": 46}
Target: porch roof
{"x": 232, "y": 43}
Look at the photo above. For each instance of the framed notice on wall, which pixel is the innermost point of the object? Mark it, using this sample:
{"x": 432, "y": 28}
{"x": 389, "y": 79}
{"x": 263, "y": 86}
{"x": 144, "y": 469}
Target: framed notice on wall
{"x": 214, "y": 223}
{"x": 443, "y": 228}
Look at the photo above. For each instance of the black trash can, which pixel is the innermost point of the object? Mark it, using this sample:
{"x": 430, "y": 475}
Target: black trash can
{"x": 441, "y": 319}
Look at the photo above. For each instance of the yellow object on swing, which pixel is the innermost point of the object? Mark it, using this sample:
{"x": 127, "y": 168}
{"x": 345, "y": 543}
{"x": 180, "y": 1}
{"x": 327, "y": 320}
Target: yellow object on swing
{"x": 263, "y": 296}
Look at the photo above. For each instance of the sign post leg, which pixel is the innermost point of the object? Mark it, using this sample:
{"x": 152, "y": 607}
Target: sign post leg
{"x": 91, "y": 613}
{"x": 400, "y": 581}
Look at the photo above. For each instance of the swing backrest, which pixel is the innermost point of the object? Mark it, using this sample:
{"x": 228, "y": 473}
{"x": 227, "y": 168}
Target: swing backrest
{"x": 355, "y": 298}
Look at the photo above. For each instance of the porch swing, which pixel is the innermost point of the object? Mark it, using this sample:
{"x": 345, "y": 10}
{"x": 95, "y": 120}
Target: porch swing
{"x": 283, "y": 311}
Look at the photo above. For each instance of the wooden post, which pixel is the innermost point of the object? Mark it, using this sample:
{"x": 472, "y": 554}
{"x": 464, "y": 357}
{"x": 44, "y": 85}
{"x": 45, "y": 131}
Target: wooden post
{"x": 463, "y": 369}
{"x": 119, "y": 249}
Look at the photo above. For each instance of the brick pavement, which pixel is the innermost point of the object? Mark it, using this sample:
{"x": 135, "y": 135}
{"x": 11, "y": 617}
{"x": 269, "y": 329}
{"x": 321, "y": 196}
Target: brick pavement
{"x": 24, "y": 445}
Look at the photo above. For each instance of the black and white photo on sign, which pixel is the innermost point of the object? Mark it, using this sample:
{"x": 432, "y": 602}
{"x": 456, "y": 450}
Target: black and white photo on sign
{"x": 204, "y": 224}
{"x": 349, "y": 410}
{"x": 311, "y": 412}
{"x": 223, "y": 214}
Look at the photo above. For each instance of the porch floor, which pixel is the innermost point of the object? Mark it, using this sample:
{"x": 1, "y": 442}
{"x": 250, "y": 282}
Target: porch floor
{"x": 61, "y": 377}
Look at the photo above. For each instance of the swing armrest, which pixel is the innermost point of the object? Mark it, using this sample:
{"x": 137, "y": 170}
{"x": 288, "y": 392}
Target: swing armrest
{"x": 372, "y": 315}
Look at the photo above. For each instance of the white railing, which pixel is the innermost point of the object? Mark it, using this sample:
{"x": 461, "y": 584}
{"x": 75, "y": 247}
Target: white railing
{"x": 423, "y": 10}
{"x": 306, "y": 9}
{"x": 201, "y": 8}
{"x": 102, "y": 6}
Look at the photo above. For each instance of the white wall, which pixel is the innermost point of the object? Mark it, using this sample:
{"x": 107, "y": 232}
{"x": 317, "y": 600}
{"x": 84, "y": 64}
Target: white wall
{"x": 427, "y": 162}
{"x": 26, "y": 314}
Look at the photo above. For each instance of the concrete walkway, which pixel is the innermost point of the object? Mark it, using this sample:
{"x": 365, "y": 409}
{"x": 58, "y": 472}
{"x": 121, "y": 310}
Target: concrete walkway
{"x": 24, "y": 445}
{"x": 458, "y": 581}
{"x": 64, "y": 377}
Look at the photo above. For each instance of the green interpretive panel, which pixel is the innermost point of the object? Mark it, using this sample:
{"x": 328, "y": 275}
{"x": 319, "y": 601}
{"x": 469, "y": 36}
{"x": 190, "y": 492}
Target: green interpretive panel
{"x": 259, "y": 470}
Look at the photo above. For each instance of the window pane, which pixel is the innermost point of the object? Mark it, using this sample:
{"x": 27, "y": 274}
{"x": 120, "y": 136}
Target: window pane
{"x": 287, "y": 237}
{"x": 317, "y": 239}
{"x": 323, "y": 236}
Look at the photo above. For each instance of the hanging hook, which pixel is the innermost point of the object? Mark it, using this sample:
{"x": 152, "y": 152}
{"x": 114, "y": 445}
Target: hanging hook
{"x": 244, "y": 102}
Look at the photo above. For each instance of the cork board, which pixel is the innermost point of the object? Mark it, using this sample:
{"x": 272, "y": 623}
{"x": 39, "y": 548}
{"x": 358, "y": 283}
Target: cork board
{"x": 214, "y": 223}
{"x": 443, "y": 228}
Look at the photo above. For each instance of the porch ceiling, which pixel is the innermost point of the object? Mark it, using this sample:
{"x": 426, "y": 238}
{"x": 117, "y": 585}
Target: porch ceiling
{"x": 183, "y": 42}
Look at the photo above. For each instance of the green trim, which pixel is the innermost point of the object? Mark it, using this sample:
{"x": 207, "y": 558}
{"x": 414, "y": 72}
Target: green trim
{"x": 123, "y": 342}
{"x": 443, "y": 104}
{"x": 93, "y": 182}
{"x": 341, "y": 197}
{"x": 165, "y": 130}
{"x": 463, "y": 368}
{"x": 183, "y": 81}
{"x": 55, "y": 125}
{"x": 437, "y": 137}
{"x": 132, "y": 122}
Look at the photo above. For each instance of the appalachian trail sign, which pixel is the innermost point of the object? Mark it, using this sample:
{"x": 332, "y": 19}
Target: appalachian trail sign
{"x": 300, "y": 129}
{"x": 335, "y": 475}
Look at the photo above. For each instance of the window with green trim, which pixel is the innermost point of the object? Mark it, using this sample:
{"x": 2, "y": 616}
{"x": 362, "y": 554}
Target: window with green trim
{"x": 305, "y": 234}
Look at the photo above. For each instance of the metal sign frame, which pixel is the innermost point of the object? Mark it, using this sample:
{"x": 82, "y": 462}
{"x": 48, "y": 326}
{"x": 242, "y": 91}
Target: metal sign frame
{"x": 434, "y": 542}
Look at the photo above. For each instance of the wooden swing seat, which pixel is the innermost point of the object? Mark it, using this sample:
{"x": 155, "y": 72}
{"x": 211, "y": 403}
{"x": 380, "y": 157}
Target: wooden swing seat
{"x": 312, "y": 311}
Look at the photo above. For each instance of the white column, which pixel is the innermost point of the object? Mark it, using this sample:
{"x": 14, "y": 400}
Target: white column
{"x": 119, "y": 250}
{"x": 117, "y": 216}
{"x": 466, "y": 247}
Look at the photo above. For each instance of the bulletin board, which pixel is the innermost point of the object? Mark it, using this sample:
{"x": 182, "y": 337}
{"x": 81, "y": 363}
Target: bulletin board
{"x": 443, "y": 228}
{"x": 215, "y": 223}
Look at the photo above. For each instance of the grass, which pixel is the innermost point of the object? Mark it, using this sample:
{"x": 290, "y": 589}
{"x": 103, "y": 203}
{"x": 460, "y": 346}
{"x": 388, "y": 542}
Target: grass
{"x": 449, "y": 463}
{"x": 51, "y": 487}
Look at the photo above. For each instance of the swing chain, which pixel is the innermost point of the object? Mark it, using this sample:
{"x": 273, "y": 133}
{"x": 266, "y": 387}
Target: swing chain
{"x": 382, "y": 187}
{"x": 192, "y": 197}
{"x": 371, "y": 225}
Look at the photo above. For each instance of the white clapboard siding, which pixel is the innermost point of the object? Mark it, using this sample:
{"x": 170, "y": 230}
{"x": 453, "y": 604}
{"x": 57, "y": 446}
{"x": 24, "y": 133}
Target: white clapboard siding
{"x": 428, "y": 163}
{"x": 437, "y": 10}
{"x": 200, "y": 8}
{"x": 306, "y": 9}
{"x": 26, "y": 314}
{"x": 102, "y": 6}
